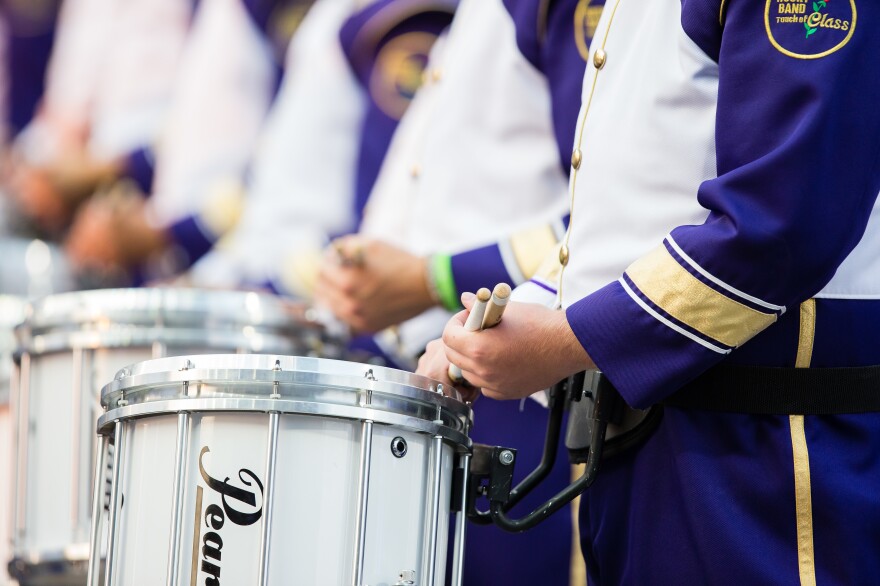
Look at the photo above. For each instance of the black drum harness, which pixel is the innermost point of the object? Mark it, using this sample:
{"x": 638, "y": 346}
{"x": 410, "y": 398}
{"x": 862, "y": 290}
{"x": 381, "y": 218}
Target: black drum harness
{"x": 600, "y": 424}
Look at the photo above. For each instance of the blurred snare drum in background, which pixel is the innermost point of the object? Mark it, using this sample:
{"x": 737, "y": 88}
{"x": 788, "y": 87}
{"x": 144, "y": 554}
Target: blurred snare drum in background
{"x": 11, "y": 314}
{"x": 32, "y": 268}
{"x": 71, "y": 345}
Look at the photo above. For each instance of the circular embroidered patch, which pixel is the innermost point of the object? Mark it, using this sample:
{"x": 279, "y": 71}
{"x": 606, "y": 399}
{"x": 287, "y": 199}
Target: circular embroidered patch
{"x": 398, "y": 72}
{"x": 809, "y": 29}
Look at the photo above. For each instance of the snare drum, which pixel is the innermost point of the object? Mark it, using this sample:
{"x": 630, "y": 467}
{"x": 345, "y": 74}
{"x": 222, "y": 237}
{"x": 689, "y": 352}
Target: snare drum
{"x": 72, "y": 344}
{"x": 11, "y": 313}
{"x": 258, "y": 470}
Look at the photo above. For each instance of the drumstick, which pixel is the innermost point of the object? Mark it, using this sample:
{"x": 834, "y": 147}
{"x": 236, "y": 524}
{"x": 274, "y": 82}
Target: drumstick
{"x": 355, "y": 259}
{"x": 474, "y": 323}
{"x": 495, "y": 309}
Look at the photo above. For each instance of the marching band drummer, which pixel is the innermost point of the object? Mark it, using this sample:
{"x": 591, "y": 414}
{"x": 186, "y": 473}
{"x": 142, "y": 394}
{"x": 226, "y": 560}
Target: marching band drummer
{"x": 496, "y": 116}
{"x": 317, "y": 111}
{"x": 722, "y": 261}
{"x": 107, "y": 90}
{"x": 325, "y": 138}
{"x": 225, "y": 84}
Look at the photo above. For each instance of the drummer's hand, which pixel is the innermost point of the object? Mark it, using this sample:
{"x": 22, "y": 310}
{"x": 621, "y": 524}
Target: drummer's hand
{"x": 37, "y": 197}
{"x": 113, "y": 232}
{"x": 371, "y": 285}
{"x": 434, "y": 364}
{"x": 73, "y": 177}
{"x": 77, "y": 174}
{"x": 531, "y": 349}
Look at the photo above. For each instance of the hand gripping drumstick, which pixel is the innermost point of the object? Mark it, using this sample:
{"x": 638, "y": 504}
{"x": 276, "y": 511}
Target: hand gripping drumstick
{"x": 474, "y": 323}
{"x": 485, "y": 313}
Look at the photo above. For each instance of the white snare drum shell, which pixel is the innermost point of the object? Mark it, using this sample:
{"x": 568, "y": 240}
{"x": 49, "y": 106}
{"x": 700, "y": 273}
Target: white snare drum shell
{"x": 312, "y": 504}
{"x": 11, "y": 313}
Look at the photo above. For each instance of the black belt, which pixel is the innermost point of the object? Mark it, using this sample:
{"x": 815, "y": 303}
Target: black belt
{"x": 761, "y": 390}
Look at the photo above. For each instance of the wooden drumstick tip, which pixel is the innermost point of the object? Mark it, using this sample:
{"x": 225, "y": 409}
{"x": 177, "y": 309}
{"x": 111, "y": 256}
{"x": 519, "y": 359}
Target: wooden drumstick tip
{"x": 502, "y": 291}
{"x": 495, "y": 308}
{"x": 348, "y": 254}
{"x": 474, "y": 321}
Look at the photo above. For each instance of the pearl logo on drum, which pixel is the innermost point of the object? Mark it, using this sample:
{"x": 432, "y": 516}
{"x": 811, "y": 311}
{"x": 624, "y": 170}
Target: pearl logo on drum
{"x": 239, "y": 506}
{"x": 244, "y": 496}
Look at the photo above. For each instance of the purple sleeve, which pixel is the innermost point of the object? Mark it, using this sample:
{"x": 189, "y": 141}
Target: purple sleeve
{"x": 139, "y": 167}
{"x": 480, "y": 267}
{"x": 192, "y": 238}
{"x": 499, "y": 262}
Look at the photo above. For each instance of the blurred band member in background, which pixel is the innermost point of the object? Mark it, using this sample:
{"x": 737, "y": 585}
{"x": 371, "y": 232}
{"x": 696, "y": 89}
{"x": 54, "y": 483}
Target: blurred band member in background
{"x": 326, "y": 138}
{"x": 107, "y": 93}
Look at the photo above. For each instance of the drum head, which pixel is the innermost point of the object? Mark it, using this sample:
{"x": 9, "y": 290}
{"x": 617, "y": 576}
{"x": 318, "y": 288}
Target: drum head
{"x": 287, "y": 384}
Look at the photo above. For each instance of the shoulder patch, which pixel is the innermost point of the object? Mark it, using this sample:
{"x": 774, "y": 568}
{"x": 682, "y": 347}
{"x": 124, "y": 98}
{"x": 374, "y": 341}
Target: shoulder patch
{"x": 809, "y": 29}
{"x": 586, "y": 18}
{"x": 398, "y": 72}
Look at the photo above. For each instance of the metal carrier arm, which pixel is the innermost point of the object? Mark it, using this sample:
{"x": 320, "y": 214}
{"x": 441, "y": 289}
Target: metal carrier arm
{"x": 496, "y": 463}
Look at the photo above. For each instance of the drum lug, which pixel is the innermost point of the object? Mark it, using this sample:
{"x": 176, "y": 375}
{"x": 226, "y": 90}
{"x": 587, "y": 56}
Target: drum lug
{"x": 406, "y": 578}
{"x": 188, "y": 365}
{"x": 275, "y": 394}
{"x": 122, "y": 402}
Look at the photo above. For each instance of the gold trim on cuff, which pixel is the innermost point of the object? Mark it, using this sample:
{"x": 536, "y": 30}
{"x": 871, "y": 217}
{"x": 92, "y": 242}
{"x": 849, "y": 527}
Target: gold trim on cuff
{"x": 530, "y": 248}
{"x": 672, "y": 288}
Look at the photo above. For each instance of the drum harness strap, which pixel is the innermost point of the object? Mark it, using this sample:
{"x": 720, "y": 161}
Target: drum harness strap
{"x": 600, "y": 423}
{"x": 762, "y": 390}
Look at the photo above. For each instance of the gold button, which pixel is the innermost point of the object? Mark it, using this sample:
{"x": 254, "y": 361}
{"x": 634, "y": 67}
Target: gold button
{"x": 416, "y": 170}
{"x": 563, "y": 255}
{"x": 599, "y": 58}
{"x": 576, "y": 158}
{"x": 436, "y": 74}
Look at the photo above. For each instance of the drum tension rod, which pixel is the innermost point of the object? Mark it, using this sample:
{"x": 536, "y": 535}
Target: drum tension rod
{"x": 494, "y": 465}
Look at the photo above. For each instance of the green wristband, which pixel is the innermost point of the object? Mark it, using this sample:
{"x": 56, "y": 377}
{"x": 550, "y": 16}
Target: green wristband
{"x": 441, "y": 272}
